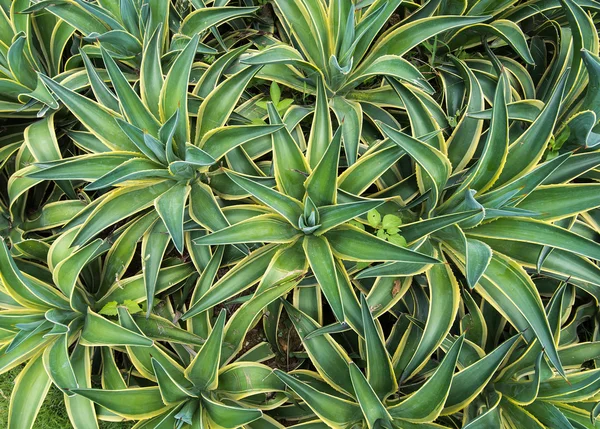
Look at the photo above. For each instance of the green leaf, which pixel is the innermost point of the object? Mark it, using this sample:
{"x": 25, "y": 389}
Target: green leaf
{"x": 96, "y": 118}
{"x": 99, "y": 331}
{"x": 243, "y": 275}
{"x": 320, "y": 257}
{"x": 334, "y": 411}
{"x": 289, "y": 163}
{"x": 337, "y": 214}
{"x": 391, "y": 221}
{"x": 109, "y": 309}
{"x": 380, "y": 373}
{"x": 268, "y": 228}
{"x": 229, "y": 417}
{"x": 286, "y": 206}
{"x": 321, "y": 184}
{"x": 171, "y": 209}
{"x": 352, "y": 244}
{"x": 31, "y": 387}
{"x": 202, "y": 371}
{"x": 426, "y": 403}
{"x": 133, "y": 402}
{"x": 434, "y": 162}
{"x": 371, "y": 406}
{"x": 203, "y": 19}
{"x": 444, "y": 301}
{"x": 374, "y": 218}
{"x": 173, "y": 95}
{"x": 321, "y": 132}
{"x": 218, "y": 105}
{"x": 328, "y": 357}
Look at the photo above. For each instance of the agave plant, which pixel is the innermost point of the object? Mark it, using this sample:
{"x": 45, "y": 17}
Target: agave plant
{"x": 182, "y": 182}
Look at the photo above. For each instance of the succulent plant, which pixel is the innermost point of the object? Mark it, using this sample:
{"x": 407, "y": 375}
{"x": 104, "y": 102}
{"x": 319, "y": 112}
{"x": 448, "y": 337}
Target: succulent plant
{"x": 307, "y": 214}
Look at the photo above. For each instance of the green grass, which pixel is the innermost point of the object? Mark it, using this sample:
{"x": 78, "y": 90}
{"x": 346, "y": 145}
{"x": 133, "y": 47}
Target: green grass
{"x": 52, "y": 415}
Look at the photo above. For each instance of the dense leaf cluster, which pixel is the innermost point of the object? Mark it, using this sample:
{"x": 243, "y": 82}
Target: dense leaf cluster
{"x": 308, "y": 213}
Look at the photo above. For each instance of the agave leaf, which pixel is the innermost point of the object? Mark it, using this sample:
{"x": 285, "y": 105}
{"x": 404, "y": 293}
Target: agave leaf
{"x": 133, "y": 107}
{"x": 426, "y": 403}
{"x": 268, "y": 228}
{"x": 434, "y": 162}
{"x": 465, "y": 137}
{"x": 523, "y": 392}
{"x": 444, "y": 301}
{"x": 405, "y": 37}
{"x": 489, "y": 418}
{"x": 330, "y": 409}
{"x": 320, "y": 185}
{"x": 353, "y": 244}
{"x": 243, "y": 379}
{"x": 423, "y": 125}
{"x": 369, "y": 168}
{"x": 227, "y": 416}
{"x": 202, "y": 372}
{"x": 160, "y": 329}
{"x": 380, "y": 373}
{"x": 81, "y": 410}
{"x": 200, "y": 323}
{"x": 309, "y": 33}
{"x": 245, "y": 273}
{"x": 218, "y": 105}
{"x": 336, "y": 214}
{"x": 289, "y": 163}
{"x": 142, "y": 356}
{"x": 470, "y": 381}
{"x": 120, "y": 204}
{"x": 111, "y": 375}
{"x": 526, "y": 151}
{"x": 204, "y": 208}
{"x": 171, "y": 209}
{"x": 170, "y": 390}
{"x": 242, "y": 320}
{"x": 173, "y": 95}
{"x": 477, "y": 259}
{"x": 99, "y": 120}
{"x": 35, "y": 295}
{"x": 321, "y": 132}
{"x": 201, "y": 20}
{"x": 134, "y": 169}
{"x": 548, "y": 414}
{"x": 219, "y": 141}
{"x": 371, "y": 406}
{"x": 330, "y": 360}
{"x": 537, "y": 232}
{"x": 133, "y": 403}
{"x": 151, "y": 74}
{"x": 31, "y": 387}
{"x": 549, "y": 202}
{"x": 86, "y": 167}
{"x": 288, "y": 207}
{"x": 320, "y": 257}
{"x": 65, "y": 274}
{"x": 103, "y": 332}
